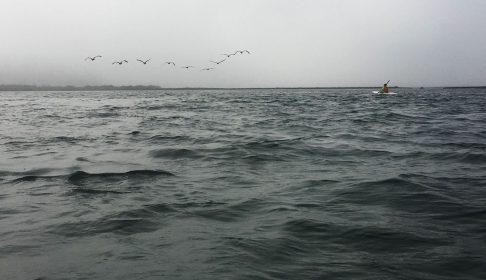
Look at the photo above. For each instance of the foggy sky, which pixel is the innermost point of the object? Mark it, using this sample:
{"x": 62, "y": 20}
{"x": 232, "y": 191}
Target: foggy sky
{"x": 293, "y": 43}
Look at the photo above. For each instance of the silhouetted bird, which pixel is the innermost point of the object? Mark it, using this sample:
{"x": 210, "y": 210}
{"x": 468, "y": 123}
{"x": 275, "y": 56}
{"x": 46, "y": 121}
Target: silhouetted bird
{"x": 144, "y": 62}
{"x": 218, "y": 62}
{"x": 243, "y": 51}
{"x": 92, "y": 58}
{"x": 187, "y": 67}
{"x": 120, "y": 62}
{"x": 170, "y": 62}
{"x": 207, "y": 69}
{"x": 228, "y": 55}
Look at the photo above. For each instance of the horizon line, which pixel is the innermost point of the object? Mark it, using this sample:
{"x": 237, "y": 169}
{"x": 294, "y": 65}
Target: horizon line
{"x": 26, "y": 87}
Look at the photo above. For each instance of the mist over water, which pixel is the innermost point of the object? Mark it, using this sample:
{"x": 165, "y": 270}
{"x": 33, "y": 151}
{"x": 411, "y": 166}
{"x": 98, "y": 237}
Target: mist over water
{"x": 305, "y": 43}
{"x": 243, "y": 184}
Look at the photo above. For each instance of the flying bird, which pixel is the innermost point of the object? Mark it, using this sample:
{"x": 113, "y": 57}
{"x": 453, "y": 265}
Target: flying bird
{"x": 187, "y": 67}
{"x": 92, "y": 58}
{"x": 170, "y": 62}
{"x": 144, "y": 62}
{"x": 207, "y": 69}
{"x": 218, "y": 62}
{"x": 243, "y": 51}
{"x": 120, "y": 62}
{"x": 228, "y": 55}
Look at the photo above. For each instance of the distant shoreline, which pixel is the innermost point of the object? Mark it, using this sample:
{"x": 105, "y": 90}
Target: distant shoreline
{"x": 153, "y": 87}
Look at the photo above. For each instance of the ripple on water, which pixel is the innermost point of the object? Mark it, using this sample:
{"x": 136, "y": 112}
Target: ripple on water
{"x": 243, "y": 184}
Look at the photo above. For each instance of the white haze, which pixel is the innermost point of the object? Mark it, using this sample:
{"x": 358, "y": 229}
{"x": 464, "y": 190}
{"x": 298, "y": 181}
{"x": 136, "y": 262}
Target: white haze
{"x": 293, "y": 43}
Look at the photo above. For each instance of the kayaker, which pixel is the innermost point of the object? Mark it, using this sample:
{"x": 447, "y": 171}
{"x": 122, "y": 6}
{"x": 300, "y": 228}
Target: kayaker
{"x": 384, "y": 88}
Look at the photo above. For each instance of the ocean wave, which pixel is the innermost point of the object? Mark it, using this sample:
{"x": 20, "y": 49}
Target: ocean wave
{"x": 94, "y": 191}
{"x": 148, "y": 218}
{"x": 174, "y": 153}
{"x": 31, "y": 172}
{"x": 459, "y": 157}
{"x": 365, "y": 238}
{"x": 158, "y": 107}
{"x": 81, "y": 178}
{"x": 106, "y": 225}
{"x": 168, "y": 138}
{"x": 32, "y": 178}
{"x": 346, "y": 152}
{"x": 231, "y": 212}
{"x": 400, "y": 194}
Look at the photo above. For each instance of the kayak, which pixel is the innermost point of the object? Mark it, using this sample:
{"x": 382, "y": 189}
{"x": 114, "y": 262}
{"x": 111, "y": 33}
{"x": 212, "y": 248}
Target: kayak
{"x": 379, "y": 92}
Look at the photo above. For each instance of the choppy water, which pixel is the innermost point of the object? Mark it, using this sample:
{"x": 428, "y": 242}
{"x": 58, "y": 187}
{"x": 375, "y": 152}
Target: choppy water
{"x": 243, "y": 184}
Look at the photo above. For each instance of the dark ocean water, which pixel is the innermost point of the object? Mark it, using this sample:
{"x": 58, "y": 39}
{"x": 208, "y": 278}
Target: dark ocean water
{"x": 243, "y": 184}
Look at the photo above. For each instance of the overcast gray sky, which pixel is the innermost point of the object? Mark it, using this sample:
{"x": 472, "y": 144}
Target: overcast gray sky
{"x": 293, "y": 43}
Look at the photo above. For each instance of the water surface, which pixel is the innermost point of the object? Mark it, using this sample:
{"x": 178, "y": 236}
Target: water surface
{"x": 243, "y": 184}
